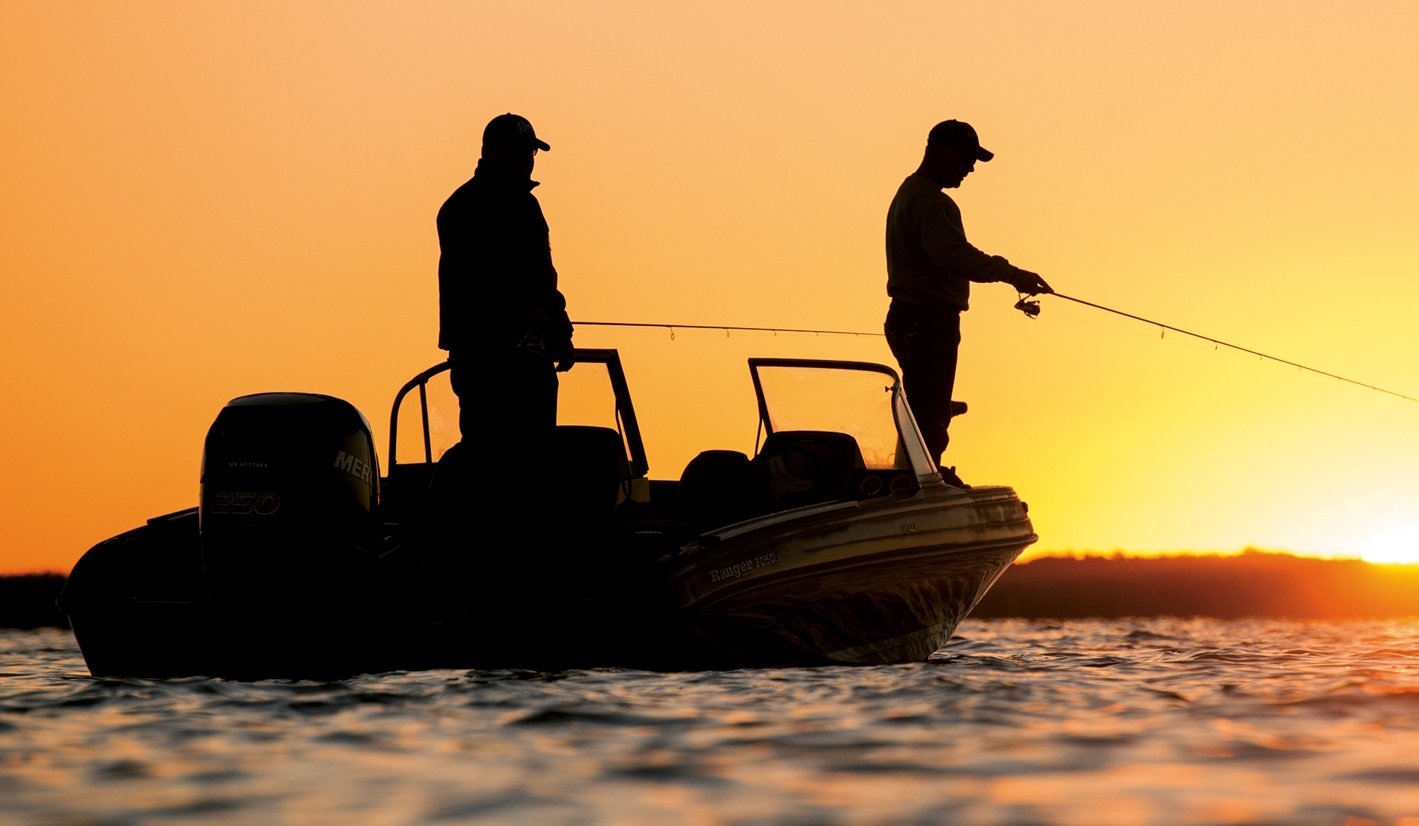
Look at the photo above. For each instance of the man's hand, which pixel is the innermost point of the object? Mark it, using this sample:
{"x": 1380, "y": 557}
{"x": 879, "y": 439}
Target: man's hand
{"x": 564, "y": 354}
{"x": 1029, "y": 283}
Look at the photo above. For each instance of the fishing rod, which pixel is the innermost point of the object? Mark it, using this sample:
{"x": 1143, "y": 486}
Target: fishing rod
{"x": 725, "y": 327}
{"x": 1032, "y": 309}
{"x": 1030, "y": 306}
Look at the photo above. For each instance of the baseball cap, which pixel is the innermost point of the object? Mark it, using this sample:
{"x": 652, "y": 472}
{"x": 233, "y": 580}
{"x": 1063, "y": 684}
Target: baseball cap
{"x": 512, "y": 131}
{"x": 959, "y": 136}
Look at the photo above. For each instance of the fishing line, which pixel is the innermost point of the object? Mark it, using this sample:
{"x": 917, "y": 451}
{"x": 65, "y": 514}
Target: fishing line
{"x": 1102, "y": 325}
{"x": 1074, "y": 494}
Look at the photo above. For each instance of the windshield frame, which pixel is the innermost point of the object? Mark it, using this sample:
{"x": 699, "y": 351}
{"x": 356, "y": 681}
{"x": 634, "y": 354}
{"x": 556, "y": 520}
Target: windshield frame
{"x": 907, "y": 431}
{"x": 624, "y": 410}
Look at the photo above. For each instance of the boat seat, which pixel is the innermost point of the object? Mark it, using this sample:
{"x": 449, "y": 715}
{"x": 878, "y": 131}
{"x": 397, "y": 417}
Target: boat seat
{"x": 588, "y": 468}
{"x": 720, "y": 487}
{"x": 806, "y": 467}
{"x": 591, "y": 469}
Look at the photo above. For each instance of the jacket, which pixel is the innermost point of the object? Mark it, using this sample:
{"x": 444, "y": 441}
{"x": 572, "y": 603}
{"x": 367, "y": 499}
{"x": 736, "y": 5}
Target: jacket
{"x": 497, "y": 285}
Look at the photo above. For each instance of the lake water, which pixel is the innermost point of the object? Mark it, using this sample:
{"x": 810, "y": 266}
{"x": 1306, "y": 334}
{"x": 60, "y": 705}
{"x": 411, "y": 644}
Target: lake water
{"x": 1081, "y": 722}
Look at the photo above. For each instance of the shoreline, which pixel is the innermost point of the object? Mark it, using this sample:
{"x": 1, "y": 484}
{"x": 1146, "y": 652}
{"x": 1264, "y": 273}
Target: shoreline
{"x": 1250, "y": 584}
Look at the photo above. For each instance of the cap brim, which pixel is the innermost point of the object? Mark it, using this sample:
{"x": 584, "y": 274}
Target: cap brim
{"x": 541, "y": 145}
{"x": 983, "y": 154}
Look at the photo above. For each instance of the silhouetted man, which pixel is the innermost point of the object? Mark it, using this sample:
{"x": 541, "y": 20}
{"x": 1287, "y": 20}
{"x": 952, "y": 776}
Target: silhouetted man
{"x": 501, "y": 318}
{"x": 930, "y": 267}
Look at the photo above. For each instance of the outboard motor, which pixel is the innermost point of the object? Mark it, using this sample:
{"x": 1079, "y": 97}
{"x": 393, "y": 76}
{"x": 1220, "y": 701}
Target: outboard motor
{"x": 290, "y": 533}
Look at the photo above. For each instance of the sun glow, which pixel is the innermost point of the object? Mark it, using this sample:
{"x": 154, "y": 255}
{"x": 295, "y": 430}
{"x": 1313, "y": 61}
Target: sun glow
{"x": 196, "y": 205}
{"x": 1395, "y": 544}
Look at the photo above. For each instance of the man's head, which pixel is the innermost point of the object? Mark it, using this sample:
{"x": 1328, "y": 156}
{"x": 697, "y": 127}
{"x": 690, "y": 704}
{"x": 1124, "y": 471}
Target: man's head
{"x": 952, "y": 149}
{"x": 509, "y": 141}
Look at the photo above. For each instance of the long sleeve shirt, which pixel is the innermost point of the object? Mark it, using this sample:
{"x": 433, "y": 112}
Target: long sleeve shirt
{"x": 929, "y": 260}
{"x": 495, "y": 266}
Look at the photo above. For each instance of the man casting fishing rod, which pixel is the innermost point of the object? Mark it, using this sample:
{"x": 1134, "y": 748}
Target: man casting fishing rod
{"x": 930, "y": 267}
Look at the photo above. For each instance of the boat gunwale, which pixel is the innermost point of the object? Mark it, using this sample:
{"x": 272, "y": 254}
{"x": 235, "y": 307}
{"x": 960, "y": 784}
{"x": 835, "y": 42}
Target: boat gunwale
{"x": 778, "y": 578}
{"x": 925, "y": 498}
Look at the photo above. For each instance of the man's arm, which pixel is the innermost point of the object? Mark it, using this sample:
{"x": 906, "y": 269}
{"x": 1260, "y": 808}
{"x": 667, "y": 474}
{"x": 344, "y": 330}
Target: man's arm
{"x": 452, "y": 301}
{"x": 559, "y": 329}
{"x": 549, "y": 299}
{"x": 944, "y": 241}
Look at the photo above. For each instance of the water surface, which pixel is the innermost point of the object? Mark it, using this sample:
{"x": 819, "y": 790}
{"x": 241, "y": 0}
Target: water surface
{"x": 1081, "y": 722}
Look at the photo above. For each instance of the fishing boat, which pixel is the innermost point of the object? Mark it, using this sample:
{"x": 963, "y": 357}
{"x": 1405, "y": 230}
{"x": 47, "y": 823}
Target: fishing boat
{"x": 837, "y": 541}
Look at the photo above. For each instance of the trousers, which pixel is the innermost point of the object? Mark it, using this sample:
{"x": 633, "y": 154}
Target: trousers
{"x": 925, "y": 340}
{"x": 500, "y": 474}
{"x": 507, "y": 403}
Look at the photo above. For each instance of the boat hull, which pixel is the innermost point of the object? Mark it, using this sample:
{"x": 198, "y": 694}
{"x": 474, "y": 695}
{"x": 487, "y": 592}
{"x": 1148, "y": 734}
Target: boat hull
{"x": 859, "y": 583}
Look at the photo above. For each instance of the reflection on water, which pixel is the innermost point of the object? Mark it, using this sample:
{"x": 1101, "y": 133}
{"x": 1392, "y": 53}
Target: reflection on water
{"x": 1088, "y": 722}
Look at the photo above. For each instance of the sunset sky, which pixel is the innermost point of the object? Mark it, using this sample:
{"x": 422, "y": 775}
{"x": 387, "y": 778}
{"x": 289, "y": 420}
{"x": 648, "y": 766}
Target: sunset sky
{"x": 202, "y": 200}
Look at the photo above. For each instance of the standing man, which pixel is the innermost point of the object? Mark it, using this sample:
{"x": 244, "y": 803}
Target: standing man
{"x": 501, "y": 318}
{"x": 930, "y": 267}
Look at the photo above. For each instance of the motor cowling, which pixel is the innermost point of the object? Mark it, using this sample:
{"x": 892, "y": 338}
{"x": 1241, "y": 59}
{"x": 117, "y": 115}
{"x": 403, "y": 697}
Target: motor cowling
{"x": 289, "y": 517}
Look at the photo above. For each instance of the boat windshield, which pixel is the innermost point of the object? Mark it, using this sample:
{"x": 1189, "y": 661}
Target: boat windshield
{"x": 593, "y": 393}
{"x": 585, "y": 397}
{"x": 857, "y": 401}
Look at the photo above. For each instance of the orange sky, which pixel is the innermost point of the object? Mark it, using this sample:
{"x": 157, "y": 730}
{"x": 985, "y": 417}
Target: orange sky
{"x": 203, "y": 200}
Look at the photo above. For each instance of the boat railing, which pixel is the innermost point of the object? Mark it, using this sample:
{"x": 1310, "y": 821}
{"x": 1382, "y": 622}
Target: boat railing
{"x": 609, "y": 359}
{"x": 420, "y": 381}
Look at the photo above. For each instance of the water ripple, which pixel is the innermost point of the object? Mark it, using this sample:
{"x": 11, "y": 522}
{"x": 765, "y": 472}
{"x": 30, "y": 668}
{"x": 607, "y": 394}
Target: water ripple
{"x": 1087, "y": 722}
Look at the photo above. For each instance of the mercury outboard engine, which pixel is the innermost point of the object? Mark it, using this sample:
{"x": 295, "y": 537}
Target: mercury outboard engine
{"x": 290, "y": 533}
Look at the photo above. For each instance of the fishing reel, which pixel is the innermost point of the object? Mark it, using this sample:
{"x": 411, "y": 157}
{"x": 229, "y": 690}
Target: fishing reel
{"x": 1028, "y": 306}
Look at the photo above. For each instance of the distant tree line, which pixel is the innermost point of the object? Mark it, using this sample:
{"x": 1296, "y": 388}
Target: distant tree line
{"x": 1254, "y": 584}
{"x": 28, "y": 601}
